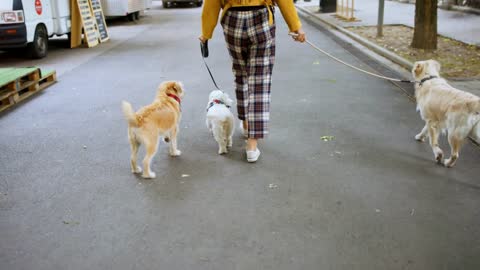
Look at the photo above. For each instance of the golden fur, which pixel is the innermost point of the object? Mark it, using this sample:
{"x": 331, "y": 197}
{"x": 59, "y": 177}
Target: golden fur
{"x": 444, "y": 108}
{"x": 145, "y": 126}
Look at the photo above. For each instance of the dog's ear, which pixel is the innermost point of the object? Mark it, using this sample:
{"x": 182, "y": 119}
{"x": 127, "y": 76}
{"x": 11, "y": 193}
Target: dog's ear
{"x": 177, "y": 87}
{"x": 162, "y": 88}
{"x": 436, "y": 65}
{"x": 418, "y": 68}
{"x": 174, "y": 87}
{"x": 229, "y": 101}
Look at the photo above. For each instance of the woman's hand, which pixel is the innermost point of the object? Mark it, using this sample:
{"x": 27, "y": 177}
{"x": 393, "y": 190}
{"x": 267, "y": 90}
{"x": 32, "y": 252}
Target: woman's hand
{"x": 202, "y": 39}
{"x": 299, "y": 36}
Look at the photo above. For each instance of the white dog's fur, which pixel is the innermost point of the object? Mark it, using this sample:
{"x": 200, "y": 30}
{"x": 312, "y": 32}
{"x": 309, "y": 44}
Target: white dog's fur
{"x": 220, "y": 120}
{"x": 444, "y": 108}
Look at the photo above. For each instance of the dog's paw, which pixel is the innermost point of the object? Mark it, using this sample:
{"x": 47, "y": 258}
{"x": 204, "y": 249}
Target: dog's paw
{"x": 449, "y": 163}
{"x": 222, "y": 151}
{"x": 175, "y": 153}
{"x": 149, "y": 175}
{"x": 438, "y": 156}
{"x": 138, "y": 169}
{"x": 420, "y": 138}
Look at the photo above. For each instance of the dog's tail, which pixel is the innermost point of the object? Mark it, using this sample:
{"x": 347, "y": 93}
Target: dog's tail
{"x": 474, "y": 106}
{"x": 129, "y": 114}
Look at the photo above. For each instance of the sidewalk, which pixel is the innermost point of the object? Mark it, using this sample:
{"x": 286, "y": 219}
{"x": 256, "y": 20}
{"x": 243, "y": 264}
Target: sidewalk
{"x": 366, "y": 11}
{"x": 368, "y": 198}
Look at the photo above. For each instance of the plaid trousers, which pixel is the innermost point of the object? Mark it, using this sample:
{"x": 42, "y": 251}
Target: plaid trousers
{"x": 251, "y": 44}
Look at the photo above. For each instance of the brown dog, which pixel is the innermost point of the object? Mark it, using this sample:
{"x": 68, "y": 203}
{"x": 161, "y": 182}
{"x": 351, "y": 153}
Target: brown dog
{"x": 147, "y": 124}
{"x": 444, "y": 108}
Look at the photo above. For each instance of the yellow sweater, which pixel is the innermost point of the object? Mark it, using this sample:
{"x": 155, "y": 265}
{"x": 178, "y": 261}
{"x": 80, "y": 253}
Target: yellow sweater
{"x": 211, "y": 10}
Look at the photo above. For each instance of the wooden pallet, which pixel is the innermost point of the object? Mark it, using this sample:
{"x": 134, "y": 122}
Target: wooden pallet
{"x": 18, "y": 84}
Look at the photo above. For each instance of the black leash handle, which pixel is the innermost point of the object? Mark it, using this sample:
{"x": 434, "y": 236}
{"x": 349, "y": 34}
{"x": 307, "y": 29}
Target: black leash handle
{"x": 204, "y": 50}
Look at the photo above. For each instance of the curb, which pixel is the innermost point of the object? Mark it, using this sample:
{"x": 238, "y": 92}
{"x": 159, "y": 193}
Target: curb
{"x": 308, "y": 16}
{"x": 465, "y": 9}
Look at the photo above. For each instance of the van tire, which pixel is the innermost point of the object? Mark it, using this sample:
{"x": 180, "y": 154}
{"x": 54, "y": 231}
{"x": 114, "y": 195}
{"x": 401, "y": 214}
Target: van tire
{"x": 165, "y": 4}
{"x": 136, "y": 14}
{"x": 39, "y": 47}
{"x": 131, "y": 17}
{"x": 69, "y": 41}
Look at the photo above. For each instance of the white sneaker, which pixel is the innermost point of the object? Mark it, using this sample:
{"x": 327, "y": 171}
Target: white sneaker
{"x": 252, "y": 156}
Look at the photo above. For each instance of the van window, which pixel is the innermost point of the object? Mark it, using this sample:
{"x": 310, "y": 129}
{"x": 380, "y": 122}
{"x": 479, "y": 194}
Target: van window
{"x": 17, "y": 5}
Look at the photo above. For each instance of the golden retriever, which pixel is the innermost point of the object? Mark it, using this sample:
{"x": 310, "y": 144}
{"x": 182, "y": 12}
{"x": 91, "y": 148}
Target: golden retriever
{"x": 444, "y": 108}
{"x": 147, "y": 124}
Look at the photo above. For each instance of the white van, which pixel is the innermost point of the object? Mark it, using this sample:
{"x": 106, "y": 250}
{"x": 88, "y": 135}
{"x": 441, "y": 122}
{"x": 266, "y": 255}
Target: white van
{"x": 29, "y": 23}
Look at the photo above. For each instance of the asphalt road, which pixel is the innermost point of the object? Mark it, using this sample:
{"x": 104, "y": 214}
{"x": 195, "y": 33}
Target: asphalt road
{"x": 369, "y": 198}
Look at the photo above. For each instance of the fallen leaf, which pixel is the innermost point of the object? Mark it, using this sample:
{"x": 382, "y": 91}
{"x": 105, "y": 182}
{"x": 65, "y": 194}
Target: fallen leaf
{"x": 70, "y": 222}
{"x": 327, "y": 138}
{"x": 272, "y": 186}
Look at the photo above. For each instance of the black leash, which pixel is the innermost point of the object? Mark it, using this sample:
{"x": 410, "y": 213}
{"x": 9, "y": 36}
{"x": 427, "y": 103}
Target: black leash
{"x": 204, "y": 50}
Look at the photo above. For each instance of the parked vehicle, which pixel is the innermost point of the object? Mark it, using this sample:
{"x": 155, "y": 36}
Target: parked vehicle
{"x": 148, "y": 4}
{"x": 168, "y": 3}
{"x": 29, "y": 23}
{"x": 129, "y": 8}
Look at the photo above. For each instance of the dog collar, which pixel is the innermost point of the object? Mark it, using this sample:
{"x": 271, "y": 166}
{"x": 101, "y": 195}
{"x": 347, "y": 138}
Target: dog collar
{"x": 426, "y": 79}
{"x": 175, "y": 97}
{"x": 216, "y": 101}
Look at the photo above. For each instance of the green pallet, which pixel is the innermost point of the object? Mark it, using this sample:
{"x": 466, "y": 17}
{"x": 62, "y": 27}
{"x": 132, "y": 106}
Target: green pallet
{"x": 8, "y": 75}
{"x": 18, "y": 84}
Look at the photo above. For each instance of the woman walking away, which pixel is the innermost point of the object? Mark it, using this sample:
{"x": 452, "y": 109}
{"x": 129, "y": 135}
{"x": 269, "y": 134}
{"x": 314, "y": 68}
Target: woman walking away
{"x": 249, "y": 30}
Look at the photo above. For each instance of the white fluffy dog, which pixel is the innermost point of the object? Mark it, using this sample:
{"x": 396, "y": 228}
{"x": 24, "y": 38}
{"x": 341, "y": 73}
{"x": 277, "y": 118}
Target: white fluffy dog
{"x": 444, "y": 108}
{"x": 220, "y": 120}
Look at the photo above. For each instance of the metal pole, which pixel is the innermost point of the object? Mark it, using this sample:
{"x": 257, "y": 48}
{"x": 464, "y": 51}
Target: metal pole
{"x": 348, "y": 9}
{"x": 352, "y": 9}
{"x": 381, "y": 8}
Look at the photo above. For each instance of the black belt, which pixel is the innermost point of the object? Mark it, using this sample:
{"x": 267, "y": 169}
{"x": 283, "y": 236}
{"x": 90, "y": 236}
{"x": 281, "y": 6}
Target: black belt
{"x": 246, "y": 8}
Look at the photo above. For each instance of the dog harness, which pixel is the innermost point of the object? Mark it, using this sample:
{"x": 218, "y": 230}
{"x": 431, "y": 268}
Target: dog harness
{"x": 216, "y": 101}
{"x": 426, "y": 79}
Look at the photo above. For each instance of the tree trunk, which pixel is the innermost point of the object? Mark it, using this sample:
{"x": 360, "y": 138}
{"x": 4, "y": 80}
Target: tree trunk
{"x": 425, "y": 31}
